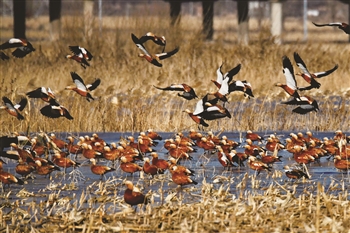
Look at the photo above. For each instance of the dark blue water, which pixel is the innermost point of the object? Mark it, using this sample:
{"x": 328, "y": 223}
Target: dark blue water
{"x": 208, "y": 170}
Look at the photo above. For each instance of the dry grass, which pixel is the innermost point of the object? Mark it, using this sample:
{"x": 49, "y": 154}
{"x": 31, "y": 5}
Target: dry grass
{"x": 100, "y": 208}
{"x": 126, "y": 99}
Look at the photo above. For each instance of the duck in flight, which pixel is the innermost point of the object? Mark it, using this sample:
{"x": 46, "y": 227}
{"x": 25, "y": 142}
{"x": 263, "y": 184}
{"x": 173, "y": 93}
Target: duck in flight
{"x": 152, "y": 58}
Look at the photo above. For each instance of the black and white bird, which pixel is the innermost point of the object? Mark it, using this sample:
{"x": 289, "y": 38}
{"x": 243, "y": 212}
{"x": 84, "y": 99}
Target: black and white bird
{"x": 23, "y": 47}
{"x": 14, "y": 109}
{"x": 343, "y": 26}
{"x": 310, "y": 77}
{"x": 55, "y": 110}
{"x": 187, "y": 91}
{"x": 152, "y": 58}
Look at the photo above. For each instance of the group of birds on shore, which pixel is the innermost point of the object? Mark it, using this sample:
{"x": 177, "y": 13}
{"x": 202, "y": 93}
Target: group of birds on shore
{"x": 43, "y": 154}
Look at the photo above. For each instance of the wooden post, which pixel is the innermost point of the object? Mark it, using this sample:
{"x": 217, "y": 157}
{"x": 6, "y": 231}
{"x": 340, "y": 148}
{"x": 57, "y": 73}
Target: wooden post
{"x": 276, "y": 20}
{"x": 19, "y": 18}
{"x": 175, "y": 10}
{"x": 55, "y": 19}
{"x": 243, "y": 20}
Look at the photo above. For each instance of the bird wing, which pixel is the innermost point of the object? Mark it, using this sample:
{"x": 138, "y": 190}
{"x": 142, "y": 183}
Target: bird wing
{"x": 301, "y": 64}
{"x": 325, "y": 73}
{"x": 233, "y": 72}
{"x": 162, "y": 56}
{"x": 303, "y": 109}
{"x": 86, "y": 53}
{"x": 21, "y": 52}
{"x": 8, "y": 103}
{"x": 93, "y": 86}
{"x": 224, "y": 89}
{"x": 37, "y": 93}
{"x": 327, "y": 24}
{"x": 75, "y": 49}
{"x": 172, "y": 87}
{"x": 139, "y": 44}
{"x": 288, "y": 72}
{"x": 3, "y": 56}
{"x": 219, "y": 75}
{"x": 22, "y": 104}
{"x": 78, "y": 81}
{"x": 199, "y": 107}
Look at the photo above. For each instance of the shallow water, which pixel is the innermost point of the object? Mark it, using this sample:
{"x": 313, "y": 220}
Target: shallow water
{"x": 207, "y": 168}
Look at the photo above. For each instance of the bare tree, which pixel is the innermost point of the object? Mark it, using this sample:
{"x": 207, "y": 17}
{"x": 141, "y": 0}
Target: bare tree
{"x": 19, "y": 18}
{"x": 55, "y": 18}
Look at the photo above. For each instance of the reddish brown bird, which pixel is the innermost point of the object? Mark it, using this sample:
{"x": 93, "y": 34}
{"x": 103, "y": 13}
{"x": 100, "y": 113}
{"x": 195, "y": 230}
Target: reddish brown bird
{"x": 23, "y": 168}
{"x": 180, "y": 169}
{"x": 153, "y": 135}
{"x": 162, "y": 164}
{"x": 257, "y": 165}
{"x": 129, "y": 167}
{"x": 72, "y": 147}
{"x": 100, "y": 169}
{"x": 253, "y": 136}
{"x": 149, "y": 168}
{"x": 180, "y": 178}
{"x": 341, "y": 164}
{"x": 81, "y": 88}
{"x": 7, "y": 178}
{"x": 63, "y": 161}
{"x": 238, "y": 157}
{"x": 45, "y": 169}
{"x": 133, "y": 195}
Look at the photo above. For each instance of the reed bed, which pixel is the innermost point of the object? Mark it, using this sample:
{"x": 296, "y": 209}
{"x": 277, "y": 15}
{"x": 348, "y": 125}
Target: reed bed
{"x": 212, "y": 207}
{"x": 126, "y": 99}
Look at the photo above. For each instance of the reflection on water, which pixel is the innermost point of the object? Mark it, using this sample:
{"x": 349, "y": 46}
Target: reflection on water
{"x": 239, "y": 180}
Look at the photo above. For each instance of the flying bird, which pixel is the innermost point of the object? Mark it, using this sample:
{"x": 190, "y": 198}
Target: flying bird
{"x": 159, "y": 40}
{"x": 223, "y": 82}
{"x": 14, "y": 110}
{"x": 310, "y": 77}
{"x": 306, "y": 104}
{"x": 343, "y": 26}
{"x": 152, "y": 58}
{"x": 80, "y": 55}
{"x": 42, "y": 93}
{"x": 187, "y": 91}
{"x": 291, "y": 84}
{"x": 81, "y": 88}
{"x": 55, "y": 110}
{"x": 23, "y": 47}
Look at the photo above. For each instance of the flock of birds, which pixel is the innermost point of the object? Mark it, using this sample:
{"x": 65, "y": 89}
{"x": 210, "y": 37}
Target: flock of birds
{"x": 43, "y": 154}
{"x": 210, "y": 107}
